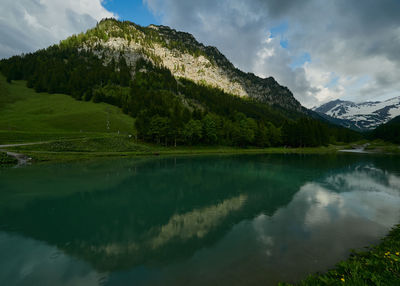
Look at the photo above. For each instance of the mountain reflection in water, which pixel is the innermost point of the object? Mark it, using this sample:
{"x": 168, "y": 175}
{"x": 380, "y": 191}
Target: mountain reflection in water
{"x": 228, "y": 220}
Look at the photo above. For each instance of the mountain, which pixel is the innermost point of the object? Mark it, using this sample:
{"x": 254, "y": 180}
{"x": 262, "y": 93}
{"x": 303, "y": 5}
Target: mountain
{"x": 363, "y": 116}
{"x": 178, "y": 90}
{"x": 183, "y": 55}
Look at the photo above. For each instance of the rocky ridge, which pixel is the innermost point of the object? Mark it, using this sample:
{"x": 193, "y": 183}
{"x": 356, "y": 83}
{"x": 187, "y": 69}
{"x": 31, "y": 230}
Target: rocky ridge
{"x": 183, "y": 56}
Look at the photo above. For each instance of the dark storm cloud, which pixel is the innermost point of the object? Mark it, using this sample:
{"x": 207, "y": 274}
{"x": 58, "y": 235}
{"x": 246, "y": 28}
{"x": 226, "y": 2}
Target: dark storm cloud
{"x": 281, "y": 8}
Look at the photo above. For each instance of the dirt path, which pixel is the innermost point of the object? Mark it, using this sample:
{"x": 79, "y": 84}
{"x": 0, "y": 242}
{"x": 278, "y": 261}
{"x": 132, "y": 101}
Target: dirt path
{"x": 357, "y": 149}
{"x": 23, "y": 144}
{"x": 22, "y": 159}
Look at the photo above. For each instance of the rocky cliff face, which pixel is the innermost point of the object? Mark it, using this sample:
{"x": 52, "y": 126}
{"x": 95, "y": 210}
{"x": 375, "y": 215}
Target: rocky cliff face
{"x": 183, "y": 56}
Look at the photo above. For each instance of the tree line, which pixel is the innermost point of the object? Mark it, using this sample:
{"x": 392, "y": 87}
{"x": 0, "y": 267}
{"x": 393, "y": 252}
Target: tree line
{"x": 167, "y": 110}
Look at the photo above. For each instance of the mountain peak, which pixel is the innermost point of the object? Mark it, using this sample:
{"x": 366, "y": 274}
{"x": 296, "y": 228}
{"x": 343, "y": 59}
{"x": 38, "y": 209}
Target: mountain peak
{"x": 183, "y": 55}
{"x": 364, "y": 115}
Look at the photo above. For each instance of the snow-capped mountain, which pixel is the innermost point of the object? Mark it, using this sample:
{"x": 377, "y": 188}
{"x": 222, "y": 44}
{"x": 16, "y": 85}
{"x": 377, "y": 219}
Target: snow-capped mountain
{"x": 365, "y": 115}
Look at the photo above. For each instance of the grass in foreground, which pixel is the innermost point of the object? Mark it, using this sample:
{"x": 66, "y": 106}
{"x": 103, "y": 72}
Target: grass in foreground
{"x": 379, "y": 265}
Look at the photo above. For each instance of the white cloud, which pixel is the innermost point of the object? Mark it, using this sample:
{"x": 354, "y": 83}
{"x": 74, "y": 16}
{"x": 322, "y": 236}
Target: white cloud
{"x": 32, "y": 260}
{"x": 28, "y": 25}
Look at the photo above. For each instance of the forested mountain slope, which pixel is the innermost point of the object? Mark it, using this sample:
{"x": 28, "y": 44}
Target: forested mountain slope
{"x": 179, "y": 91}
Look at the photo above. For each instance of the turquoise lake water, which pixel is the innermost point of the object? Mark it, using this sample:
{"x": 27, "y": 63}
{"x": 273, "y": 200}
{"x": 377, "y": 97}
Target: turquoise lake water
{"x": 206, "y": 220}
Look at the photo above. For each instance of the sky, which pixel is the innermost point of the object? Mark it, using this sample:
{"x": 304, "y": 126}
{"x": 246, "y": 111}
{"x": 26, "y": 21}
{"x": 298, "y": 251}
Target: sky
{"x": 320, "y": 49}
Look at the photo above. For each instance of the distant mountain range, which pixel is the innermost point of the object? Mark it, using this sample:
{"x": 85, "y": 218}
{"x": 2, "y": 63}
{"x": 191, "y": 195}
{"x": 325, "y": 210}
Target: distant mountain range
{"x": 361, "y": 116}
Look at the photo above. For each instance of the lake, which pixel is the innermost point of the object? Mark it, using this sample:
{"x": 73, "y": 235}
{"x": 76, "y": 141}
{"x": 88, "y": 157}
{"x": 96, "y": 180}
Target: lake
{"x": 206, "y": 220}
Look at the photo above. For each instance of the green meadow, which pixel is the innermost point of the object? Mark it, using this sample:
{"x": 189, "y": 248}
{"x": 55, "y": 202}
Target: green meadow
{"x": 28, "y": 116}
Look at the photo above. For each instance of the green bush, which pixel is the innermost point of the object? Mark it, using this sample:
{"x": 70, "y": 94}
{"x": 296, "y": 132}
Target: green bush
{"x": 7, "y": 160}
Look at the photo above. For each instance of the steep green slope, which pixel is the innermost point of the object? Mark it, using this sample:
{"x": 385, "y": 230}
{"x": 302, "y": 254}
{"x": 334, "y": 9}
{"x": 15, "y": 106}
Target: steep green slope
{"x": 26, "y": 115}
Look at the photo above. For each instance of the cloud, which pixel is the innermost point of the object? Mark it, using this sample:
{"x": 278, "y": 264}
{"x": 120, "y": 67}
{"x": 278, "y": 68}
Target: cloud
{"x": 42, "y": 264}
{"x": 353, "y": 50}
{"x": 28, "y": 25}
{"x": 347, "y": 42}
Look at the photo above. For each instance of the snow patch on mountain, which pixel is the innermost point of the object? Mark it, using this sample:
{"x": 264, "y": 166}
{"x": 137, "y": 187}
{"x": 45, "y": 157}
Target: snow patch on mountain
{"x": 365, "y": 115}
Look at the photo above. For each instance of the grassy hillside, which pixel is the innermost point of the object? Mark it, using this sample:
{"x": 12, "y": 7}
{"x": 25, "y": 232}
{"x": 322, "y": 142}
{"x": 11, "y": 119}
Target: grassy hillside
{"x": 26, "y": 115}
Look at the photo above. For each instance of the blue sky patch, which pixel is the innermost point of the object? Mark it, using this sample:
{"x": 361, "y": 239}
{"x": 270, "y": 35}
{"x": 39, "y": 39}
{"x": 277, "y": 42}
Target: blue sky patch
{"x": 279, "y": 31}
{"x": 284, "y": 43}
{"x": 300, "y": 61}
{"x": 131, "y": 10}
{"x": 333, "y": 82}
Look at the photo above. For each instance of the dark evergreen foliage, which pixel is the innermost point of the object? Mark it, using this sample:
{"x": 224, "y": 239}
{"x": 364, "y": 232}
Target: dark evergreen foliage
{"x": 389, "y": 131}
{"x": 168, "y": 111}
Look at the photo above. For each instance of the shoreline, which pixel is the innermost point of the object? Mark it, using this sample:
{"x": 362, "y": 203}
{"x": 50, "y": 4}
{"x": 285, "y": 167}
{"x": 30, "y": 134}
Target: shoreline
{"x": 49, "y": 156}
{"x": 40, "y": 156}
{"x": 377, "y": 265}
